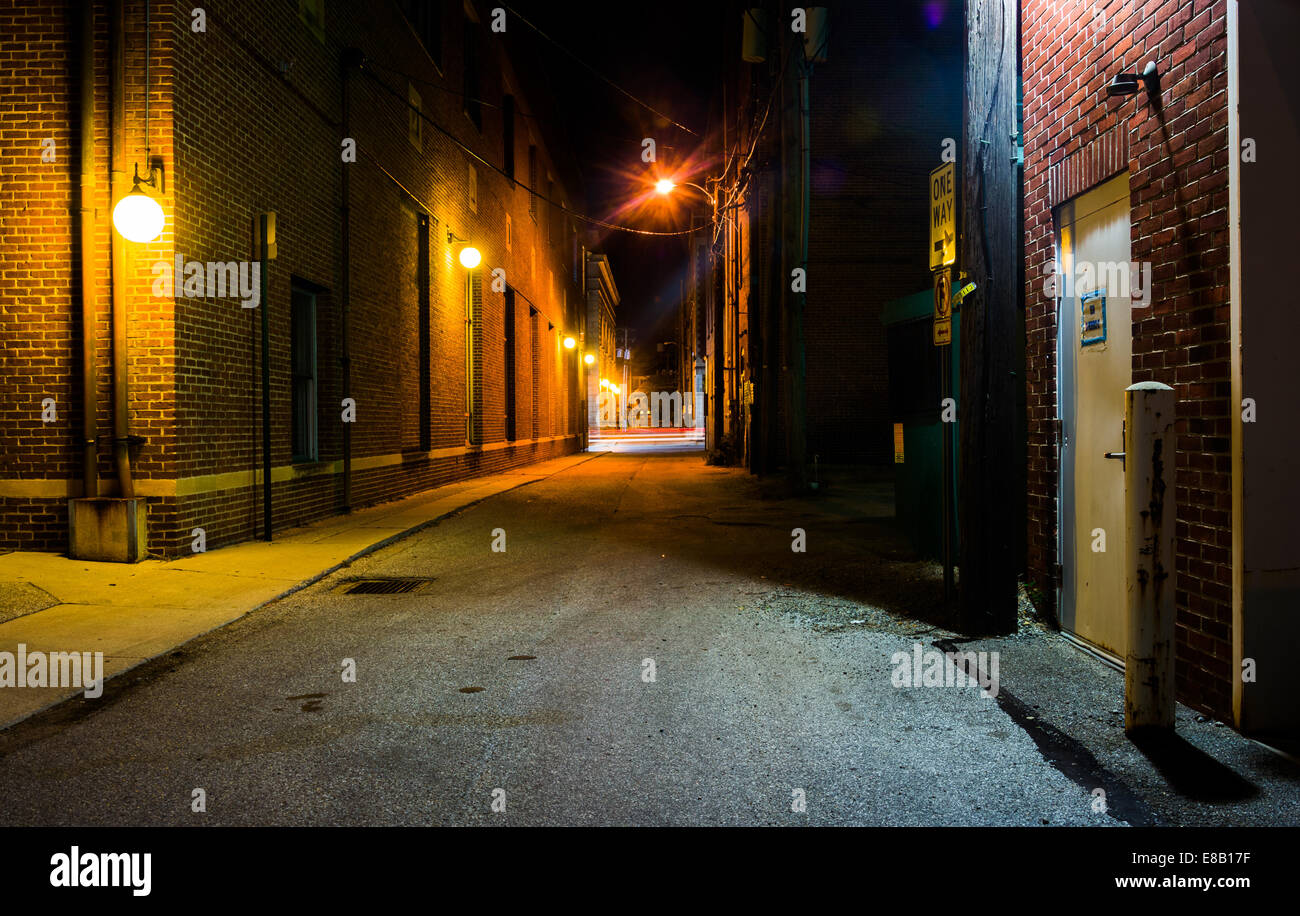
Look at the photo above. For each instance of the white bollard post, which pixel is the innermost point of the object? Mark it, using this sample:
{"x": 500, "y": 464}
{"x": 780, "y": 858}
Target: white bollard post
{"x": 1149, "y": 464}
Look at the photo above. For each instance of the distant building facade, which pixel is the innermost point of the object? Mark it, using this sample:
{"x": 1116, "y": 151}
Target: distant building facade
{"x": 602, "y": 312}
{"x": 878, "y": 123}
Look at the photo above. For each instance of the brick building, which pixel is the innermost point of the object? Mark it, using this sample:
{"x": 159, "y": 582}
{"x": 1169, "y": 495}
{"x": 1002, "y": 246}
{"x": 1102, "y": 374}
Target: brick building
{"x": 1166, "y": 230}
{"x": 881, "y": 103}
{"x": 602, "y": 307}
{"x": 385, "y": 137}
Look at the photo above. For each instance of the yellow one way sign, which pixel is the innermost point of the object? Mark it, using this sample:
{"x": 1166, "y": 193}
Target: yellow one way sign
{"x": 943, "y": 216}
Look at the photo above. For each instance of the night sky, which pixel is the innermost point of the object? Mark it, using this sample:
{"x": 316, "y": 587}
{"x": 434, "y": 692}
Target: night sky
{"x": 670, "y": 56}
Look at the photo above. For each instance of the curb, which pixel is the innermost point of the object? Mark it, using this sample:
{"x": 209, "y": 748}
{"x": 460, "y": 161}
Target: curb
{"x": 348, "y": 561}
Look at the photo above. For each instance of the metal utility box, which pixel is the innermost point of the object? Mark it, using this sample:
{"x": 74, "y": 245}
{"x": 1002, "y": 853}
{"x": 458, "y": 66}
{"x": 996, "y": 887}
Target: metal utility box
{"x": 915, "y": 396}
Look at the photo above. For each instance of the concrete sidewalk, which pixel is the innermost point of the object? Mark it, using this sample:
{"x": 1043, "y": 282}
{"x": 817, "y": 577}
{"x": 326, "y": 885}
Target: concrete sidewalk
{"x": 133, "y": 613}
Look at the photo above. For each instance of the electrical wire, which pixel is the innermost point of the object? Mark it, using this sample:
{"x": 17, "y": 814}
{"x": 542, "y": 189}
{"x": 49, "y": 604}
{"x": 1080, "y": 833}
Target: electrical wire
{"x": 365, "y": 68}
{"x": 600, "y": 75}
{"x": 428, "y": 82}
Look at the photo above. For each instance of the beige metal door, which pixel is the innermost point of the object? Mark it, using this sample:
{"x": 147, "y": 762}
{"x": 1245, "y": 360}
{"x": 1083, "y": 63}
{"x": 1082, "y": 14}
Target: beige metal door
{"x": 1095, "y": 366}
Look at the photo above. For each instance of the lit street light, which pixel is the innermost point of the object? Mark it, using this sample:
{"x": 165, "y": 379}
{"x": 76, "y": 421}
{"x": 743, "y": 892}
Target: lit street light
{"x": 665, "y": 187}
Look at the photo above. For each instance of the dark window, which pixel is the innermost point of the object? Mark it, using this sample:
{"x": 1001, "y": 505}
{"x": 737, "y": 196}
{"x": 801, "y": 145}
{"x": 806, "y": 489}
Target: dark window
{"x": 426, "y": 407}
{"x": 471, "y": 82}
{"x": 512, "y": 424}
{"x": 508, "y": 134}
{"x": 312, "y": 12}
{"x": 532, "y": 182}
{"x": 302, "y": 334}
{"x": 550, "y": 214}
{"x": 536, "y": 363}
{"x": 425, "y": 17}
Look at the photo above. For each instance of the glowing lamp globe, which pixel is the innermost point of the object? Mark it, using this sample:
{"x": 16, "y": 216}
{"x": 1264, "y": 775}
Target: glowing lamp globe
{"x": 589, "y": 359}
{"x": 138, "y": 217}
{"x": 664, "y": 186}
{"x": 470, "y": 257}
{"x": 569, "y": 343}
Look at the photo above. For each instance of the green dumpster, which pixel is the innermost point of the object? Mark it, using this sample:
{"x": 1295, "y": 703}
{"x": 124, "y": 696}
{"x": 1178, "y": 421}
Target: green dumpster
{"x": 915, "y": 405}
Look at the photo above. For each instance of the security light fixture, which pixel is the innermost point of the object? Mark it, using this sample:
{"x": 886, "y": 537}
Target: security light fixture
{"x": 1125, "y": 84}
{"x": 470, "y": 257}
{"x": 137, "y": 216}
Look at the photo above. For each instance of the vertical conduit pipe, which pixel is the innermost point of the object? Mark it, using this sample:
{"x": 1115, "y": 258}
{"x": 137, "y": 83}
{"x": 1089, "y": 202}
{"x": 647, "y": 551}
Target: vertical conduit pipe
{"x": 89, "y": 293}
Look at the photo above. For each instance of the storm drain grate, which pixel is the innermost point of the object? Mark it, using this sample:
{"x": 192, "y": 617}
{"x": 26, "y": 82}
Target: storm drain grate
{"x": 395, "y": 586}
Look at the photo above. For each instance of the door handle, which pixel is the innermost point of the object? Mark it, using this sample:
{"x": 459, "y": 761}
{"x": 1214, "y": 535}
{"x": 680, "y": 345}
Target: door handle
{"x": 1123, "y": 441}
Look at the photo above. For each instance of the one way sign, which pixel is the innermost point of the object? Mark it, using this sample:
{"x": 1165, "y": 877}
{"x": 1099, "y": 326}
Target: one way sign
{"x": 943, "y": 216}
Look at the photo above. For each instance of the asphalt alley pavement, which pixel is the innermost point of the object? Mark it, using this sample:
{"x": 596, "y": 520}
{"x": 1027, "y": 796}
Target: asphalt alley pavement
{"x": 648, "y": 649}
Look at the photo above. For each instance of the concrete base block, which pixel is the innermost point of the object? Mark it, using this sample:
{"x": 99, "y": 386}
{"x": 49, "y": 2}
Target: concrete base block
{"x": 107, "y": 529}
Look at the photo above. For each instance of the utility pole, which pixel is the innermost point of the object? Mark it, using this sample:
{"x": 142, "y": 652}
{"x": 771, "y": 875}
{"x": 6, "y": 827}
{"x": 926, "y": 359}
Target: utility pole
{"x": 991, "y": 257}
{"x": 793, "y": 216}
{"x": 768, "y": 341}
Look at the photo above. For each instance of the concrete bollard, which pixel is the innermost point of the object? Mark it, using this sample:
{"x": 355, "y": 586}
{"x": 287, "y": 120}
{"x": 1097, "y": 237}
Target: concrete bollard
{"x": 1149, "y": 462}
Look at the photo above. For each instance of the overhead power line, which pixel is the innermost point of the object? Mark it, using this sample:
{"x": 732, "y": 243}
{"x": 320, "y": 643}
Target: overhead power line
{"x": 365, "y": 68}
{"x": 600, "y": 75}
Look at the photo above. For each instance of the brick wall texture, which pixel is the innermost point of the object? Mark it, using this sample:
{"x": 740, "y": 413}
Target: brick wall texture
{"x": 247, "y": 116}
{"x": 1075, "y": 137}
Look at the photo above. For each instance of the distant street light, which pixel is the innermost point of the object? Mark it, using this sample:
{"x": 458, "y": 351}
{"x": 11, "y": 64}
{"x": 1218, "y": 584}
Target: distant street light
{"x": 665, "y": 186}
{"x": 589, "y": 359}
{"x": 569, "y": 343}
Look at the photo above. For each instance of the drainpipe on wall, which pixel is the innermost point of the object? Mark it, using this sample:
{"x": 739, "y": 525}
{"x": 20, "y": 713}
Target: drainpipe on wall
{"x": 351, "y": 58}
{"x": 121, "y": 420}
{"x": 89, "y": 297}
{"x": 580, "y": 382}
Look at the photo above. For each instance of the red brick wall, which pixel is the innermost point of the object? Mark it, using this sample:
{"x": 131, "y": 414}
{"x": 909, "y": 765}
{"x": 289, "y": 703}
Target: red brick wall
{"x": 40, "y": 261}
{"x": 1179, "y": 210}
{"x": 247, "y": 117}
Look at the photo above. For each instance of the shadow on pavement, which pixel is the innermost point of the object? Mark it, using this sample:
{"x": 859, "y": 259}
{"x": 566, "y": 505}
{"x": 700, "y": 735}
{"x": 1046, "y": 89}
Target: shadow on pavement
{"x": 1191, "y": 772}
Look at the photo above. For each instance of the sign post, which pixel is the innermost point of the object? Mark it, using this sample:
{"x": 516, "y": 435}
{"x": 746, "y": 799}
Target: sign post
{"x": 943, "y": 216}
{"x": 942, "y": 308}
{"x": 943, "y": 254}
